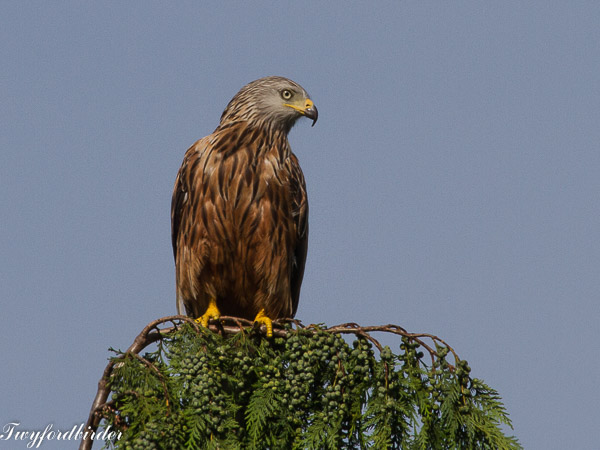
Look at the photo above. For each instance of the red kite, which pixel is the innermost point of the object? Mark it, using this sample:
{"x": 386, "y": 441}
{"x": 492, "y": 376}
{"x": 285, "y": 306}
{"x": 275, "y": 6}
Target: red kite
{"x": 239, "y": 213}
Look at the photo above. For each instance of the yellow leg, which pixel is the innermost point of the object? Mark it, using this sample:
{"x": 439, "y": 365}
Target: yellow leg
{"x": 262, "y": 318}
{"x": 212, "y": 312}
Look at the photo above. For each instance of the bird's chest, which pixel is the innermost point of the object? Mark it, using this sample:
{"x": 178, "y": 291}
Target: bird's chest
{"x": 249, "y": 188}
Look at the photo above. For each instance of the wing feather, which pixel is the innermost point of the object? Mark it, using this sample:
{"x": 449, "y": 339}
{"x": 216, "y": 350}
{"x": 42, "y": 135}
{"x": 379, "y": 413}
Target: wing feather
{"x": 300, "y": 217}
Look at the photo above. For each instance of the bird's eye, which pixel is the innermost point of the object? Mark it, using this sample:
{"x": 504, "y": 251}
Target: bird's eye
{"x": 286, "y": 95}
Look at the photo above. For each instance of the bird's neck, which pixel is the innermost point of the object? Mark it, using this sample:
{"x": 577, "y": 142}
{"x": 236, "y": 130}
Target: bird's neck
{"x": 273, "y": 140}
{"x": 263, "y": 139}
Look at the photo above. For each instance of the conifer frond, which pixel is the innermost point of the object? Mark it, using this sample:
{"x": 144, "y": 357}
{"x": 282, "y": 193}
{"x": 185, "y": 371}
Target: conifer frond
{"x": 231, "y": 387}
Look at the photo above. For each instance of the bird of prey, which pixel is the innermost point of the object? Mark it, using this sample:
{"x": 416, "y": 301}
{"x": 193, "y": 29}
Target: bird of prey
{"x": 239, "y": 213}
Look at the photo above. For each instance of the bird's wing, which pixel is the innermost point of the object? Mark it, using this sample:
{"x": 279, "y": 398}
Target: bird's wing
{"x": 177, "y": 200}
{"x": 300, "y": 216}
{"x": 183, "y": 224}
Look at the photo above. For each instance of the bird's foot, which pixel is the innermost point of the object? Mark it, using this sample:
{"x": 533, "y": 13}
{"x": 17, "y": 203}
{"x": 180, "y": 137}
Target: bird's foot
{"x": 261, "y": 318}
{"x": 212, "y": 312}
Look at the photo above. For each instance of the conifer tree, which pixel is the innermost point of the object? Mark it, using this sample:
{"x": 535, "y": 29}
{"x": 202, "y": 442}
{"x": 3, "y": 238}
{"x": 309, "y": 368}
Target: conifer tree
{"x": 306, "y": 387}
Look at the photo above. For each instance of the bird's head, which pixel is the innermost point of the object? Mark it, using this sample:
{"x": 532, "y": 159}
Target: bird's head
{"x": 272, "y": 101}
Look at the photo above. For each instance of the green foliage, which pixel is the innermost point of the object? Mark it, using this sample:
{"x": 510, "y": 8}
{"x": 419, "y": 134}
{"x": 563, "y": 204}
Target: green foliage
{"x": 306, "y": 388}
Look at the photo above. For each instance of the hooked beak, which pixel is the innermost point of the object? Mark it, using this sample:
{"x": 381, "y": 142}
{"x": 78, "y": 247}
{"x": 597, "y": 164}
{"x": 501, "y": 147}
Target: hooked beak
{"x": 309, "y": 110}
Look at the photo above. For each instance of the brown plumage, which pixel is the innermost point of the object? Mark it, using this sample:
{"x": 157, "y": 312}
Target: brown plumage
{"x": 239, "y": 212}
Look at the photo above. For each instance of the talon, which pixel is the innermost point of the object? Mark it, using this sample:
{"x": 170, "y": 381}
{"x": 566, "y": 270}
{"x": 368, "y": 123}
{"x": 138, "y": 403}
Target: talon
{"x": 212, "y": 312}
{"x": 261, "y": 318}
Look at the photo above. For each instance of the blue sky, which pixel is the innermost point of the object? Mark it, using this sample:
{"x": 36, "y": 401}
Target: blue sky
{"x": 453, "y": 181}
